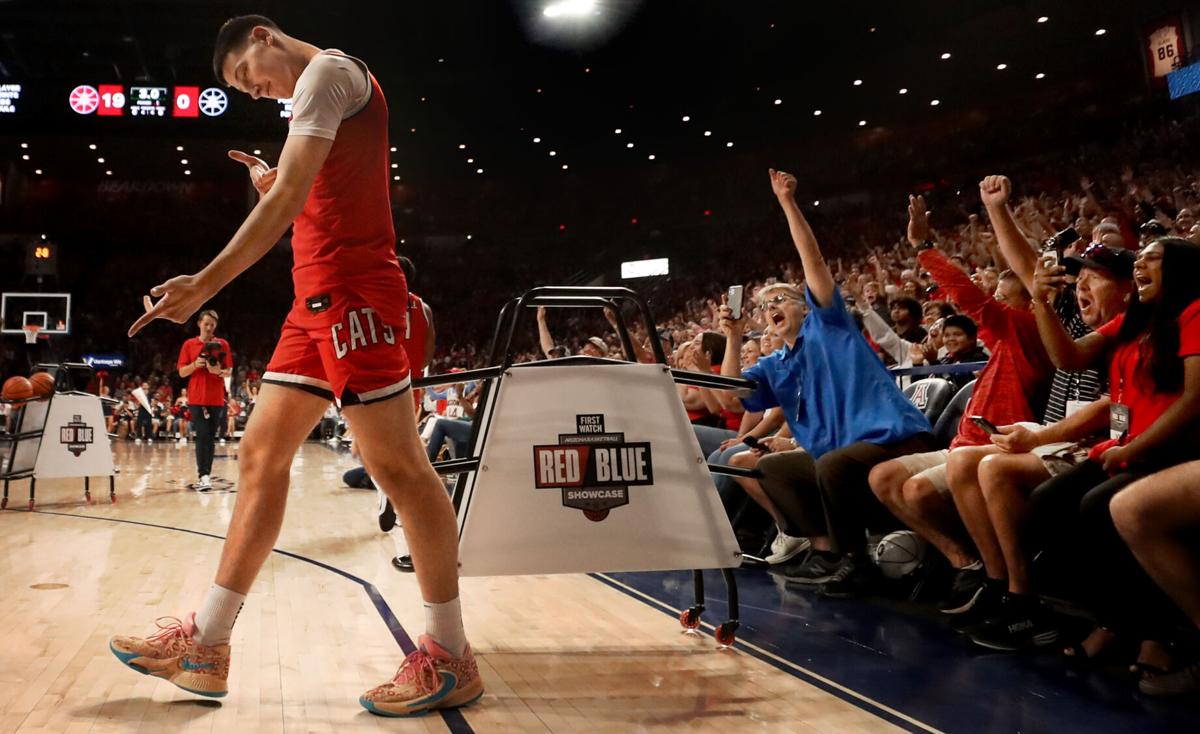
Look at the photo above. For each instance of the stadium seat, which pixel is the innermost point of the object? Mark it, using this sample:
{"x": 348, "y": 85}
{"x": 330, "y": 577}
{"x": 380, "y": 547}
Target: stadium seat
{"x": 930, "y": 396}
{"x": 947, "y": 423}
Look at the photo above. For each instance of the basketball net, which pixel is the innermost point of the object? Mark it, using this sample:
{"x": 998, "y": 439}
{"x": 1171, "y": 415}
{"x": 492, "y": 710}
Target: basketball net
{"x": 31, "y": 333}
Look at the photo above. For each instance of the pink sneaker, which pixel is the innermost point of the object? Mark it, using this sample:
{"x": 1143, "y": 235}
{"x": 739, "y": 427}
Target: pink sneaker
{"x": 429, "y": 678}
{"x": 174, "y": 656}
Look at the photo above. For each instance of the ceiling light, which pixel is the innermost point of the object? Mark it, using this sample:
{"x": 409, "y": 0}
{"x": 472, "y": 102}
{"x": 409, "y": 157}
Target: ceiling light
{"x": 687, "y": 118}
{"x": 26, "y": 145}
{"x": 38, "y": 171}
{"x": 1100, "y": 31}
{"x": 183, "y": 161}
{"x": 478, "y": 170}
{"x": 470, "y": 236}
{"x": 817, "y": 202}
{"x": 462, "y": 146}
{"x": 470, "y": 160}
{"x": 569, "y": 9}
{"x": 779, "y": 101}
{"x": 903, "y": 90}
{"x": 179, "y": 148}
{"x": 1039, "y": 75}
{"x": 91, "y": 146}
{"x": 395, "y": 165}
{"x": 816, "y": 113}
{"x": 862, "y": 123}
{"x": 553, "y": 153}
{"x": 934, "y": 102}
{"x": 537, "y": 140}
{"x": 617, "y": 131}
{"x": 650, "y": 157}
{"x": 258, "y": 151}
{"x": 98, "y": 160}
{"x": 395, "y": 178}
{"x": 1001, "y": 67}
{"x": 565, "y": 166}
{"x": 629, "y": 145}
{"x": 108, "y": 173}
{"x": 858, "y": 82}
{"x": 1043, "y": 19}
{"x": 187, "y": 173}
{"x": 945, "y": 55}
{"x": 26, "y": 157}
{"x": 393, "y": 149}
{"x": 708, "y": 133}
{"x": 729, "y": 144}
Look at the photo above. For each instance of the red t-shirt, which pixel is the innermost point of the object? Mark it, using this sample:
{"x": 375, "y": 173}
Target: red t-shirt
{"x": 1129, "y": 380}
{"x": 204, "y": 388}
{"x": 1017, "y": 375}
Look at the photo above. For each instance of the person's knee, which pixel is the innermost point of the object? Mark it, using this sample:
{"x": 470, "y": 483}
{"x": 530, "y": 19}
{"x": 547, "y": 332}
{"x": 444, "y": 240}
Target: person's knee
{"x": 962, "y": 468}
{"x": 398, "y": 469}
{"x": 1130, "y": 516}
{"x": 921, "y": 497}
{"x": 257, "y": 464}
{"x": 744, "y": 460}
{"x": 887, "y": 481}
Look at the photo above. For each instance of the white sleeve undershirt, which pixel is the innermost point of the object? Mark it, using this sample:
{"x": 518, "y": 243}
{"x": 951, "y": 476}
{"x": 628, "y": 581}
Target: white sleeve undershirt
{"x": 331, "y": 88}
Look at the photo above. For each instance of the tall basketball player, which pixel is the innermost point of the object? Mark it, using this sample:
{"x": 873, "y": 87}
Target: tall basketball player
{"x": 341, "y": 340}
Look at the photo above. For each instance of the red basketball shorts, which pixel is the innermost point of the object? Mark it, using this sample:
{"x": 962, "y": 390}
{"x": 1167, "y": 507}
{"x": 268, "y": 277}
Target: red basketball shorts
{"x": 345, "y": 344}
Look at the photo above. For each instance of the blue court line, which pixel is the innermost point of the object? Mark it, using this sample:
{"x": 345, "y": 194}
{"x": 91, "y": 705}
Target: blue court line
{"x": 455, "y": 721}
{"x": 862, "y": 703}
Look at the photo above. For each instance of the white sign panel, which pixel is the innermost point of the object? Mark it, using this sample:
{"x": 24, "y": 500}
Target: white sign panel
{"x": 588, "y": 469}
{"x": 10, "y": 94}
{"x": 74, "y": 442}
{"x": 645, "y": 268}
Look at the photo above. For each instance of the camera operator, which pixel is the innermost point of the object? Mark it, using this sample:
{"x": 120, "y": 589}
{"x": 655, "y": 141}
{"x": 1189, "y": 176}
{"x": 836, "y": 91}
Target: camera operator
{"x": 206, "y": 361}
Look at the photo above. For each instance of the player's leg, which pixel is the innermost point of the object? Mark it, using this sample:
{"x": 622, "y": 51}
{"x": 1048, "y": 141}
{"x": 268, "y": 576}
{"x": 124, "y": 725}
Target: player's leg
{"x": 193, "y": 653}
{"x": 386, "y": 435}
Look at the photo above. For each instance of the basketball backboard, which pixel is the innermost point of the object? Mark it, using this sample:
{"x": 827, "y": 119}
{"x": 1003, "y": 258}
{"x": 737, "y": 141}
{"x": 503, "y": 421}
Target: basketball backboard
{"x": 50, "y": 311}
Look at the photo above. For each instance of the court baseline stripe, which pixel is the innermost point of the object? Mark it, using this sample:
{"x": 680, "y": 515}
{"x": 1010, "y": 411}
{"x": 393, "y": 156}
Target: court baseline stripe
{"x": 848, "y": 695}
{"x": 455, "y": 721}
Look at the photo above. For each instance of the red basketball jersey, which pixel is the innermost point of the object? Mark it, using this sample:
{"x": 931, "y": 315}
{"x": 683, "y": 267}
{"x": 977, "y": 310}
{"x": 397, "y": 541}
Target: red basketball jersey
{"x": 344, "y": 234}
{"x": 416, "y": 329}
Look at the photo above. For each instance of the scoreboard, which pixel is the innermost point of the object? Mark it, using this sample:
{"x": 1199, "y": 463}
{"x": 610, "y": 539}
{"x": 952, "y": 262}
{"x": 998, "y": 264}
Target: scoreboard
{"x": 116, "y": 100}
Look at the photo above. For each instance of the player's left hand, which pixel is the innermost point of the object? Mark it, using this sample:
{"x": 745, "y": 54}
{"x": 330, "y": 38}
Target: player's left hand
{"x": 178, "y": 299}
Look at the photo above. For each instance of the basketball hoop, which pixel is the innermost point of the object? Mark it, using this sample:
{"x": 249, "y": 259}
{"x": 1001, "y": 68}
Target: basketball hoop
{"x": 31, "y": 333}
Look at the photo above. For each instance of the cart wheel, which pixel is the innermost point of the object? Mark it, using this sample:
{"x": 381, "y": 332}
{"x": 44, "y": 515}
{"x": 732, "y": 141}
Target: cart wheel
{"x": 726, "y": 633}
{"x": 690, "y": 618}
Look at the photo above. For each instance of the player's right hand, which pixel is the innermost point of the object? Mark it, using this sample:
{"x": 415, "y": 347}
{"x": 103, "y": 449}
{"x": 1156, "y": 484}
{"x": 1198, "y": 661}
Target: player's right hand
{"x": 262, "y": 176}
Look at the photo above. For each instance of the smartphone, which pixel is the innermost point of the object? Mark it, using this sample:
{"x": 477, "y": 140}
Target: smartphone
{"x": 753, "y": 443}
{"x": 988, "y": 427}
{"x": 735, "y": 301}
{"x": 1049, "y": 258}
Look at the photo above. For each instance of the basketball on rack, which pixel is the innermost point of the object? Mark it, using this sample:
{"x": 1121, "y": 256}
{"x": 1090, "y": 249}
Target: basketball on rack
{"x": 43, "y": 384}
{"x": 17, "y": 389}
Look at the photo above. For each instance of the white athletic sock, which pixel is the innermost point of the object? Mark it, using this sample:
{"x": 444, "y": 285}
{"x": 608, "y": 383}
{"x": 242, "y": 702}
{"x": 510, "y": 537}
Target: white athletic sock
{"x": 215, "y": 618}
{"x": 443, "y": 622}
{"x": 973, "y": 566}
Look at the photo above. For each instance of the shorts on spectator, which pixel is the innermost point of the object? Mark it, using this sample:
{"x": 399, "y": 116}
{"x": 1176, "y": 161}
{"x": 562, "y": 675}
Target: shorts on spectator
{"x": 931, "y": 466}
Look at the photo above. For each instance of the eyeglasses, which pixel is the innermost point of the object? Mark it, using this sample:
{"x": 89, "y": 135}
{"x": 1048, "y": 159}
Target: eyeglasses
{"x": 777, "y": 300}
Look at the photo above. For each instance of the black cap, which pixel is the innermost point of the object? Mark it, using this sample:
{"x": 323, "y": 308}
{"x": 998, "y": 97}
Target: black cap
{"x": 1116, "y": 260}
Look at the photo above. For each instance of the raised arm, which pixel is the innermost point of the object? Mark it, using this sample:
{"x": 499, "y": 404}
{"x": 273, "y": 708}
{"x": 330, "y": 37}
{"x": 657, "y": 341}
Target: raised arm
{"x": 544, "y": 339}
{"x": 995, "y": 192}
{"x": 183, "y": 295}
{"x": 816, "y": 273}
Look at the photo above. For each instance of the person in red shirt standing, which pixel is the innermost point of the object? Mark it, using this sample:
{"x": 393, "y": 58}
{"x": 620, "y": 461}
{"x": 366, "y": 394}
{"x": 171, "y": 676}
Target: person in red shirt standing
{"x": 342, "y": 340}
{"x": 206, "y": 361}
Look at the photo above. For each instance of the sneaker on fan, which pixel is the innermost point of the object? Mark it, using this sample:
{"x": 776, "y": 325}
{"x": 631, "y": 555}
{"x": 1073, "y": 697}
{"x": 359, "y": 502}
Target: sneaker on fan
{"x": 786, "y": 547}
{"x": 204, "y": 484}
{"x": 429, "y": 678}
{"x": 385, "y": 513}
{"x": 175, "y": 656}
